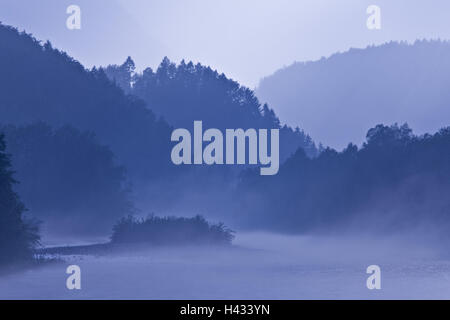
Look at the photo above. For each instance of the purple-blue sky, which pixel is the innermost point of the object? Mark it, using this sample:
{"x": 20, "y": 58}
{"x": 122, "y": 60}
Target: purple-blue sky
{"x": 245, "y": 39}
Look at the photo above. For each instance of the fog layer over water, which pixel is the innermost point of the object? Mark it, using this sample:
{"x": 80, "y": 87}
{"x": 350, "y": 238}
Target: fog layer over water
{"x": 258, "y": 266}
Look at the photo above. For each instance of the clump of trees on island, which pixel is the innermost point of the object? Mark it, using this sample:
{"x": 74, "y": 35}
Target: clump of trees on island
{"x": 170, "y": 230}
{"x": 132, "y": 233}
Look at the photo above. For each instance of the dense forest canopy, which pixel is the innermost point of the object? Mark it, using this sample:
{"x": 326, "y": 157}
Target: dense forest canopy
{"x": 66, "y": 178}
{"x": 40, "y": 83}
{"x": 186, "y": 92}
{"x": 396, "y": 181}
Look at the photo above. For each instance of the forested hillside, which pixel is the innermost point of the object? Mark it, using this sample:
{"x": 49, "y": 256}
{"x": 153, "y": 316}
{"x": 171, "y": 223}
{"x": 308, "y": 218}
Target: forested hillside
{"x": 336, "y": 99}
{"x": 40, "y": 83}
{"x": 396, "y": 181}
{"x": 186, "y": 92}
{"x": 67, "y": 179}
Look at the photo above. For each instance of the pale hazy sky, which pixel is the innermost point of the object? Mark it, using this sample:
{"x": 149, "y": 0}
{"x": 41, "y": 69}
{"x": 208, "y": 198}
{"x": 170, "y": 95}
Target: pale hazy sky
{"x": 245, "y": 39}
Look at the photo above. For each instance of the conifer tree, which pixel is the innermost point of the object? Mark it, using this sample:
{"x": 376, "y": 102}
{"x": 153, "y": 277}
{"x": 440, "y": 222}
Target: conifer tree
{"x": 17, "y": 237}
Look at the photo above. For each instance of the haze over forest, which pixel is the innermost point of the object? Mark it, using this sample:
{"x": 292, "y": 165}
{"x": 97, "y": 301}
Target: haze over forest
{"x": 336, "y": 99}
{"x": 85, "y": 154}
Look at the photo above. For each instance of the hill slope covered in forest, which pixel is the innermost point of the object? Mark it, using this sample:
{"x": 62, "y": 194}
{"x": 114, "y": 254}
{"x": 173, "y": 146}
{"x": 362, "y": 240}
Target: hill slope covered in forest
{"x": 337, "y": 99}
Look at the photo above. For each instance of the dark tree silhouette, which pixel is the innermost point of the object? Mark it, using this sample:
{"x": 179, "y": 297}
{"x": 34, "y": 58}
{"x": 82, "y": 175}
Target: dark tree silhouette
{"x": 67, "y": 179}
{"x": 122, "y": 75}
{"x": 17, "y": 237}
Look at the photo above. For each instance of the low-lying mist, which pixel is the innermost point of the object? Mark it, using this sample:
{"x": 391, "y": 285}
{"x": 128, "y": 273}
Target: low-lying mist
{"x": 257, "y": 266}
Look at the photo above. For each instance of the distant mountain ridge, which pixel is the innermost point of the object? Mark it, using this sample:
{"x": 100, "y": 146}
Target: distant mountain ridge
{"x": 336, "y": 99}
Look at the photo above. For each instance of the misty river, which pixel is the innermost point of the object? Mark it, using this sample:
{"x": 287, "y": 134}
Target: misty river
{"x": 257, "y": 266}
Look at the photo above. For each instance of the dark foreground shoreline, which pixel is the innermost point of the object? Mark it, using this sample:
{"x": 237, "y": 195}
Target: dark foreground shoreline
{"x": 100, "y": 248}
